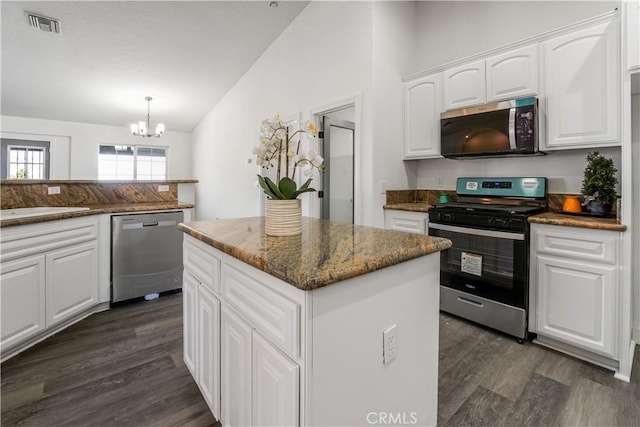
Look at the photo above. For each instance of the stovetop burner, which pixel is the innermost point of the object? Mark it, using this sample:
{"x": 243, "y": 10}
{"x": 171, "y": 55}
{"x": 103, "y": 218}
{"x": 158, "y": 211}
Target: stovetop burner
{"x": 493, "y": 203}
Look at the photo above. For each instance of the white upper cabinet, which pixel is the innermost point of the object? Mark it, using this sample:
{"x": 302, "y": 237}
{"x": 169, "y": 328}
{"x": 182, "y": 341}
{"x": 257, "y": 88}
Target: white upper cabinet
{"x": 422, "y": 118}
{"x": 512, "y": 74}
{"x": 632, "y": 13}
{"x": 582, "y": 91}
{"x": 464, "y": 86}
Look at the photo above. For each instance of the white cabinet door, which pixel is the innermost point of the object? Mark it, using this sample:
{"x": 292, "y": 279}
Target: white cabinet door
{"x": 422, "y": 118}
{"x": 632, "y": 13}
{"x": 189, "y": 325}
{"x": 465, "y": 86}
{"x": 512, "y": 74}
{"x": 576, "y": 302}
{"x": 235, "y": 348}
{"x": 23, "y": 299}
{"x": 208, "y": 348}
{"x": 581, "y": 79}
{"x": 275, "y": 389}
{"x": 72, "y": 281}
{"x": 410, "y": 222}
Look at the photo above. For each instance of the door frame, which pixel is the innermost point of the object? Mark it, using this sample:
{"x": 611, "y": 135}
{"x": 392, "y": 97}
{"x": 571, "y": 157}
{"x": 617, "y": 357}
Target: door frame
{"x": 354, "y": 101}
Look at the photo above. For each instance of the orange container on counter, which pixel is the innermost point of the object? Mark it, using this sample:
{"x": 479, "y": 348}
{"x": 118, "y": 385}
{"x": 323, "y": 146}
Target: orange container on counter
{"x": 571, "y": 204}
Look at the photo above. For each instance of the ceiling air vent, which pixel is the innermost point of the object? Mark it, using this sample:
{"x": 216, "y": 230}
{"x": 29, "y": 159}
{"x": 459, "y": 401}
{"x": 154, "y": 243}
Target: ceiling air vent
{"x": 49, "y": 25}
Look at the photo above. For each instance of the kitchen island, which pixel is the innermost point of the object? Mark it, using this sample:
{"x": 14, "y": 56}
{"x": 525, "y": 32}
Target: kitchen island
{"x": 337, "y": 326}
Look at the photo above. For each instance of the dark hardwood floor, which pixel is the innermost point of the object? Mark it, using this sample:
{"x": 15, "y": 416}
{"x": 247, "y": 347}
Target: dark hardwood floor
{"x": 124, "y": 367}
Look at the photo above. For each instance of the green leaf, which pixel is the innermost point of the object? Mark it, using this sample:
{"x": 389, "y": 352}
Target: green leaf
{"x": 300, "y": 191}
{"x": 305, "y": 185}
{"x": 274, "y": 189}
{"x": 287, "y": 187}
{"x": 266, "y": 188}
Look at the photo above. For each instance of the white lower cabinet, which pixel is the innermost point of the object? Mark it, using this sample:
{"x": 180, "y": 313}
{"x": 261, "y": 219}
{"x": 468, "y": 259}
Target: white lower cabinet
{"x": 50, "y": 278}
{"x": 574, "y": 287}
{"x": 189, "y": 289}
{"x": 71, "y": 275}
{"x": 410, "y": 222}
{"x": 236, "y": 370}
{"x": 201, "y": 338}
{"x": 208, "y": 359}
{"x": 275, "y": 386}
{"x": 576, "y": 302}
{"x": 23, "y": 299}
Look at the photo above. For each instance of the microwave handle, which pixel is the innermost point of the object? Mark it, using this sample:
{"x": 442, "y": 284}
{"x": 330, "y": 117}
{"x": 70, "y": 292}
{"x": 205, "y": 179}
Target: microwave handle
{"x": 512, "y": 128}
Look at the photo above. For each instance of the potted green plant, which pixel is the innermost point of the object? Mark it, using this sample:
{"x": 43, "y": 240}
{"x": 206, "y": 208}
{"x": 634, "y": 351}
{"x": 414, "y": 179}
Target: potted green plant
{"x": 280, "y": 149}
{"x": 599, "y": 183}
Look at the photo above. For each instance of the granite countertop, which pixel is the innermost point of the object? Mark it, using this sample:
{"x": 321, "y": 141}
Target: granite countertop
{"x": 558, "y": 218}
{"x": 326, "y": 252}
{"x": 98, "y": 209}
{"x": 412, "y": 206}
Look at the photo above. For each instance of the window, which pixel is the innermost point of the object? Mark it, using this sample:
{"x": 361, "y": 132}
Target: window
{"x": 24, "y": 159}
{"x": 132, "y": 162}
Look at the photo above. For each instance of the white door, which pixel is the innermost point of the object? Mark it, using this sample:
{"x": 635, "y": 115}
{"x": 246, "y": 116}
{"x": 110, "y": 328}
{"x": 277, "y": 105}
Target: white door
{"x": 581, "y": 79}
{"x": 189, "y": 325}
{"x": 22, "y": 286}
{"x": 422, "y": 118}
{"x": 72, "y": 281}
{"x": 208, "y": 348}
{"x": 235, "y": 352}
{"x": 465, "y": 86}
{"x": 276, "y": 386}
{"x": 512, "y": 74}
{"x": 576, "y": 302}
{"x": 338, "y": 177}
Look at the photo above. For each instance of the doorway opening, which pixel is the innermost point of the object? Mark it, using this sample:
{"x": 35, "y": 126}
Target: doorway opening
{"x": 338, "y": 144}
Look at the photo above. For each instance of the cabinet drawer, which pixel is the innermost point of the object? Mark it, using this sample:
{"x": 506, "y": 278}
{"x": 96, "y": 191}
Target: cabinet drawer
{"x": 200, "y": 261}
{"x": 410, "y": 222}
{"x": 592, "y": 245}
{"x": 275, "y": 316}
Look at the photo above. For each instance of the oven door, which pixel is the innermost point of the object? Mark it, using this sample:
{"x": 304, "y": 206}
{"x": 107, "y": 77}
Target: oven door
{"x": 487, "y": 263}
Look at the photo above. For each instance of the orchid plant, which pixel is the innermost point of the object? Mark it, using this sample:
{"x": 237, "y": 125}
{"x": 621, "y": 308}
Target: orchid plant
{"x": 280, "y": 149}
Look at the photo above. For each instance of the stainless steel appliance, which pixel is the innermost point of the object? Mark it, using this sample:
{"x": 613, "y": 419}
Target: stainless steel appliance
{"x": 502, "y": 128}
{"x": 146, "y": 254}
{"x": 484, "y": 276}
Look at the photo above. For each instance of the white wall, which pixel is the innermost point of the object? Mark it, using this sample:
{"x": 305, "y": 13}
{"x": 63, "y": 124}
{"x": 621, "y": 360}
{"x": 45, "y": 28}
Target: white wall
{"x": 324, "y": 56}
{"x": 452, "y": 30}
{"x": 83, "y": 140}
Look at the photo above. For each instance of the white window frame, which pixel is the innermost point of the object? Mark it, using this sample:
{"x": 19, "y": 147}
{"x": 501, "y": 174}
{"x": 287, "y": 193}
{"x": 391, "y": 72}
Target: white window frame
{"x": 43, "y": 148}
{"x": 135, "y": 161}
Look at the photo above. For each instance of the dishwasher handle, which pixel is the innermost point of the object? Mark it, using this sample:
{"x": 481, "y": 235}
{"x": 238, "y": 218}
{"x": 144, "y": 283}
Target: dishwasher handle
{"x": 136, "y": 225}
{"x": 150, "y": 224}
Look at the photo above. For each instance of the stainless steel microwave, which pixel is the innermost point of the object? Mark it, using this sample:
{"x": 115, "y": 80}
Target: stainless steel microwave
{"x": 502, "y": 128}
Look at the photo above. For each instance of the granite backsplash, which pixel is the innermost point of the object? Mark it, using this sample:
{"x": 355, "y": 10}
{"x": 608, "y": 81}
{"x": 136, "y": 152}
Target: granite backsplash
{"x": 77, "y": 193}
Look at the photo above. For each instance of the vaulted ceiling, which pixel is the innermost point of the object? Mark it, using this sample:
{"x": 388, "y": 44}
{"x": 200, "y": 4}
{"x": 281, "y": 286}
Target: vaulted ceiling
{"x": 111, "y": 54}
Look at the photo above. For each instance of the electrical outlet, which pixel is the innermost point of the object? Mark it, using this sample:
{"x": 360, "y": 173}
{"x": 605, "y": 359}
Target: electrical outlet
{"x": 439, "y": 182}
{"x": 163, "y": 188}
{"x": 383, "y": 187}
{"x": 389, "y": 344}
{"x": 53, "y": 190}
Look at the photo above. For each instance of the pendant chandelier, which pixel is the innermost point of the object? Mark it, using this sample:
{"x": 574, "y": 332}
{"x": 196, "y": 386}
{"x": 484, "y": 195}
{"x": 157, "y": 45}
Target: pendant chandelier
{"x": 144, "y": 129}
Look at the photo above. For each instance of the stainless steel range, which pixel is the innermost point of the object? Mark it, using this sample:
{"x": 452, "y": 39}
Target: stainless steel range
{"x": 484, "y": 276}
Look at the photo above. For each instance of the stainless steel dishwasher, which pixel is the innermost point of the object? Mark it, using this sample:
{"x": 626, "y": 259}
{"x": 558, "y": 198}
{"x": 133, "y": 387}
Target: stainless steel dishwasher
{"x": 146, "y": 254}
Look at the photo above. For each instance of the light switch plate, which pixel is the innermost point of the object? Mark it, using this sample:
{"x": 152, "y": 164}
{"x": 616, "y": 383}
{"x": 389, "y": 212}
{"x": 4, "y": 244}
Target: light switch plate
{"x": 163, "y": 188}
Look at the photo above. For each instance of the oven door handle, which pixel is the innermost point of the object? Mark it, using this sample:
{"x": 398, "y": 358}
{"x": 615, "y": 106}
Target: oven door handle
{"x": 477, "y": 232}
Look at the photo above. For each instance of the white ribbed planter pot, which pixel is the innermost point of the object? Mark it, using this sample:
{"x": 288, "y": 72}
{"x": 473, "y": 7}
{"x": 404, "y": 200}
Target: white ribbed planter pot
{"x": 283, "y": 217}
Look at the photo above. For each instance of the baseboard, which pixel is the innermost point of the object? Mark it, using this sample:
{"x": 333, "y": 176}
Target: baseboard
{"x": 588, "y": 356}
{"x": 20, "y": 347}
